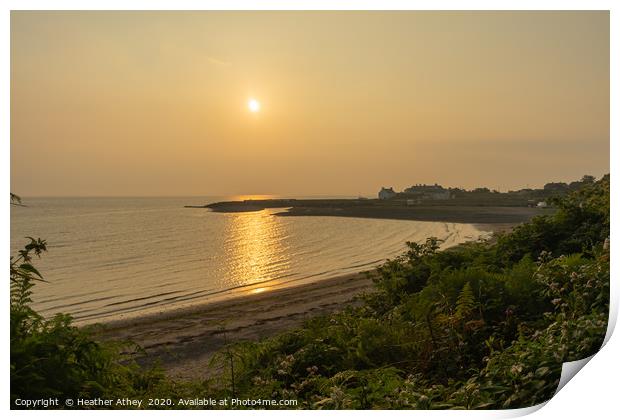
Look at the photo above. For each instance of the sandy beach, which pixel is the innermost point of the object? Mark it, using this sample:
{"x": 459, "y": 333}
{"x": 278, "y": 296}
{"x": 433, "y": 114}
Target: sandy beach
{"x": 184, "y": 340}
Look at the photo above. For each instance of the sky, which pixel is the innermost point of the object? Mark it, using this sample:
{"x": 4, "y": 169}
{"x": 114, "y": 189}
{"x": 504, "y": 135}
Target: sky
{"x": 156, "y": 103}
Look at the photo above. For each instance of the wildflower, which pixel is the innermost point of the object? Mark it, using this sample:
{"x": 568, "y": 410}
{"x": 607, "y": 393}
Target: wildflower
{"x": 312, "y": 370}
{"x": 516, "y": 369}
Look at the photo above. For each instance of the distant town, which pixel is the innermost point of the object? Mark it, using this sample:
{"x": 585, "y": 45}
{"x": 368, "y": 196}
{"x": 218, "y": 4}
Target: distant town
{"x": 423, "y": 203}
{"x": 421, "y": 194}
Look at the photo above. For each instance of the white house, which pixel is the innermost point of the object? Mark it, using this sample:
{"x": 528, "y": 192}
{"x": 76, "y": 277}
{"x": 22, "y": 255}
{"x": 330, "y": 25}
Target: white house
{"x": 542, "y": 204}
{"x": 386, "y": 193}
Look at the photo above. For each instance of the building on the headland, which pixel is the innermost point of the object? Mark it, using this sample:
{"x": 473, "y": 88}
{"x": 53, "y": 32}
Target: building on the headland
{"x": 440, "y": 195}
{"x": 542, "y": 204}
{"x": 429, "y": 192}
{"x": 386, "y": 193}
{"x": 424, "y": 189}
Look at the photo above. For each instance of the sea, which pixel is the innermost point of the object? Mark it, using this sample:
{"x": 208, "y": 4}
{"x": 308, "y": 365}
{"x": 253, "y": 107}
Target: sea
{"x": 119, "y": 258}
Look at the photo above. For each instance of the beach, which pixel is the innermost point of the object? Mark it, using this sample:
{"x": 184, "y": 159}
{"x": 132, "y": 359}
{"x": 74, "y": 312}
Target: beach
{"x": 184, "y": 340}
{"x": 187, "y": 257}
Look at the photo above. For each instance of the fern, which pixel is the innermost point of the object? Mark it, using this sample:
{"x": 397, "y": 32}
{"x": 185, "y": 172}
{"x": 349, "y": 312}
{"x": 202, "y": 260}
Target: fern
{"x": 465, "y": 303}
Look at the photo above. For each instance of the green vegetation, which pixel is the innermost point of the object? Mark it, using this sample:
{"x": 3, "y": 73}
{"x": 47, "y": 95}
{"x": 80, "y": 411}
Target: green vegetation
{"x": 482, "y": 325}
{"x": 53, "y": 359}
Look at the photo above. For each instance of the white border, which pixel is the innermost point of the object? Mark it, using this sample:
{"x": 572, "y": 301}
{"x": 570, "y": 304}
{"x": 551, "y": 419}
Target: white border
{"x": 591, "y": 394}
{"x": 309, "y": 5}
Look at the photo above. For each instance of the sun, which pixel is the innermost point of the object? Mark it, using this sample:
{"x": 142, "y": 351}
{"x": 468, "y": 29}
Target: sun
{"x": 253, "y": 105}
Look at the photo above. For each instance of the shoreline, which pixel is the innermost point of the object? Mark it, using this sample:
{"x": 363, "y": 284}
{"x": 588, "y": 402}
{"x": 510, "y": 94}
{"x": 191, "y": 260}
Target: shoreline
{"x": 487, "y": 216}
{"x": 437, "y": 211}
{"x": 184, "y": 339}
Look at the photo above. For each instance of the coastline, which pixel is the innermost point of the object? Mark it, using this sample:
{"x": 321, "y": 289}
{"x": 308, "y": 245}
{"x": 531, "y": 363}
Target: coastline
{"x": 476, "y": 215}
{"x": 489, "y": 214}
{"x": 184, "y": 339}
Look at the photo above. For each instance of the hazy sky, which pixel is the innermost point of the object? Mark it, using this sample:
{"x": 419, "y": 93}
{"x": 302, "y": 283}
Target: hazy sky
{"x": 155, "y": 103}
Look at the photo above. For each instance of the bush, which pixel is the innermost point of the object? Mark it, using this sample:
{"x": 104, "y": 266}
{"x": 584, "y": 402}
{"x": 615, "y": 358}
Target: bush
{"x": 52, "y": 358}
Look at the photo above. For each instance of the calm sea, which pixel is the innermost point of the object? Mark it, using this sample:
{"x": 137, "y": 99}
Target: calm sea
{"x": 113, "y": 258}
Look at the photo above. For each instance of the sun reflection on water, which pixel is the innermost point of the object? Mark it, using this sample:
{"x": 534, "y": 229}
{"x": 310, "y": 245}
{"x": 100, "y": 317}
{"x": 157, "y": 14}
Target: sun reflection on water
{"x": 259, "y": 290}
{"x": 257, "y": 252}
